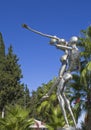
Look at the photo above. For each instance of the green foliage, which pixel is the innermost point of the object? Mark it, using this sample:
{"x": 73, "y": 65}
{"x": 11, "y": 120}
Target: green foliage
{"x": 2, "y": 47}
{"x": 10, "y": 88}
{"x": 82, "y": 85}
{"x": 17, "y": 118}
{"x": 56, "y": 118}
{"x": 49, "y": 109}
{"x": 89, "y": 31}
{"x": 12, "y": 91}
{"x": 35, "y": 100}
{"x": 27, "y": 98}
{"x": 86, "y": 75}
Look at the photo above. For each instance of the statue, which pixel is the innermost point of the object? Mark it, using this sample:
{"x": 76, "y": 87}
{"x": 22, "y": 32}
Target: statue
{"x": 70, "y": 62}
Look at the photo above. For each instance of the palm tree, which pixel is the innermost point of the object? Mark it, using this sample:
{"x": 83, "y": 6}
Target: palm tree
{"x": 81, "y": 84}
{"x": 77, "y": 96}
{"x": 16, "y": 118}
{"x": 56, "y": 119}
{"x": 45, "y": 105}
{"x": 86, "y": 75}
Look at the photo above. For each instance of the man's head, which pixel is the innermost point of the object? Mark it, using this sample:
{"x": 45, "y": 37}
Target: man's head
{"x": 73, "y": 40}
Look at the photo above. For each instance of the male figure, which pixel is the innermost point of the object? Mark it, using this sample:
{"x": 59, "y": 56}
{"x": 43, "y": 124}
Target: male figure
{"x": 70, "y": 62}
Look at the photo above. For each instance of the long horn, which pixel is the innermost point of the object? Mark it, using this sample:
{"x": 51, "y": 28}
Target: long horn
{"x": 40, "y": 33}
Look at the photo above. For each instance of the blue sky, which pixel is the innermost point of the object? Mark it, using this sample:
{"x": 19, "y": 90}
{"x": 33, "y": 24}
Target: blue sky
{"x": 39, "y": 61}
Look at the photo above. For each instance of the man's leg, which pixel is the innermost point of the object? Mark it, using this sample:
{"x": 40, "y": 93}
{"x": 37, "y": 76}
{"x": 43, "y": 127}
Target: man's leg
{"x": 51, "y": 89}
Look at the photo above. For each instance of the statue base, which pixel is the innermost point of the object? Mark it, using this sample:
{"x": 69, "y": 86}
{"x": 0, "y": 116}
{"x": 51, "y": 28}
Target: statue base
{"x": 68, "y": 128}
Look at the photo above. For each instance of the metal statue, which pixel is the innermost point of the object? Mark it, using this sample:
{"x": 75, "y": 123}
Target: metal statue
{"x": 70, "y": 62}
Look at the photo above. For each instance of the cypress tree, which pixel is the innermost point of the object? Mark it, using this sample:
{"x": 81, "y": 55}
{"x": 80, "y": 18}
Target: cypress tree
{"x": 12, "y": 91}
{"x": 2, "y": 54}
{"x": 2, "y": 67}
{"x": 27, "y": 98}
{"x": 13, "y": 75}
{"x": 2, "y": 47}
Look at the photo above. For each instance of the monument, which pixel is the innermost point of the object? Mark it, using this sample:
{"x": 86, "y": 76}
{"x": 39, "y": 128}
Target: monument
{"x": 70, "y": 62}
